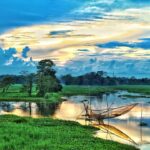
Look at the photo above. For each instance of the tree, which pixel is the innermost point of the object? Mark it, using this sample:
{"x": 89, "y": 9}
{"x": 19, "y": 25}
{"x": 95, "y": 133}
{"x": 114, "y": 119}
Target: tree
{"x": 6, "y": 82}
{"x": 102, "y": 73}
{"x": 46, "y": 78}
{"x": 28, "y": 82}
{"x": 67, "y": 79}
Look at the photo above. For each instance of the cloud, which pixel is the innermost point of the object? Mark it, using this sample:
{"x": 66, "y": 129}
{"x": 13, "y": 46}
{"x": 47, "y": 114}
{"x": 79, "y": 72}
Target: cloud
{"x": 143, "y": 44}
{"x": 59, "y": 32}
{"x": 68, "y": 30}
{"x": 101, "y": 6}
{"x": 83, "y": 50}
{"x": 124, "y": 68}
{"x": 11, "y": 64}
{"x": 6, "y": 55}
{"x": 42, "y": 44}
{"x": 18, "y": 13}
{"x": 25, "y": 52}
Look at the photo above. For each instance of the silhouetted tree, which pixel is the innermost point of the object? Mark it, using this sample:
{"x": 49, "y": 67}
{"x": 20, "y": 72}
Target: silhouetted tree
{"x": 101, "y": 78}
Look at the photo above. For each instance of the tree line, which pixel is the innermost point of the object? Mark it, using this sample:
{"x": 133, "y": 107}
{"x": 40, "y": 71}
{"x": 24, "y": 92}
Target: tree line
{"x": 46, "y": 81}
{"x": 101, "y": 78}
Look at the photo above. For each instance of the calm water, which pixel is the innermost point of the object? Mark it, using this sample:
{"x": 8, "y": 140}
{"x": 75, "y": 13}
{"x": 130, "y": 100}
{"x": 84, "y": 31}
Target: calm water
{"x": 73, "y": 109}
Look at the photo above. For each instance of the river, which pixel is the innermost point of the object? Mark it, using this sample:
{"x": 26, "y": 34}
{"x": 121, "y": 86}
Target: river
{"x": 72, "y": 109}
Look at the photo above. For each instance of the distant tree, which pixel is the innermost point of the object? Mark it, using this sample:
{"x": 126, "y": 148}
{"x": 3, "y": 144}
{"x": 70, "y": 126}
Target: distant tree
{"x": 101, "y": 78}
{"x": 6, "y": 82}
{"x": 67, "y": 79}
{"x": 102, "y": 73}
{"x": 46, "y": 78}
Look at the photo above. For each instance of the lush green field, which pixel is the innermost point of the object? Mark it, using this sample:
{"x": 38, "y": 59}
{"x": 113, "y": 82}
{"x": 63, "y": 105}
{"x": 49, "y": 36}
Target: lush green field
{"x": 86, "y": 90}
{"x": 14, "y": 93}
{"x": 143, "y": 89}
{"x": 94, "y": 90}
{"x": 48, "y": 134}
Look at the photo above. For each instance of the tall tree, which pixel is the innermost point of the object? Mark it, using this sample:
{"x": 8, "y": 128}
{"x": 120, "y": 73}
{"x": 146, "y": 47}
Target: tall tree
{"x": 46, "y": 78}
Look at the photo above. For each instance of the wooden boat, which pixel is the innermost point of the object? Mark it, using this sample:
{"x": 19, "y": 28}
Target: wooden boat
{"x": 113, "y": 131}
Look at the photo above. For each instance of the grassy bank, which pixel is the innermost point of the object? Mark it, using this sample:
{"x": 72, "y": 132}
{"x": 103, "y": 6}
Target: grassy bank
{"x": 48, "y": 134}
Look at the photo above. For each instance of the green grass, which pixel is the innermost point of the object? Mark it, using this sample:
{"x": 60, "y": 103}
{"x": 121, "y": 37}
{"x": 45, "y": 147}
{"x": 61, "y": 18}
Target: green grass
{"x": 143, "y": 89}
{"x": 14, "y": 93}
{"x": 48, "y": 134}
{"x": 86, "y": 90}
{"x": 94, "y": 90}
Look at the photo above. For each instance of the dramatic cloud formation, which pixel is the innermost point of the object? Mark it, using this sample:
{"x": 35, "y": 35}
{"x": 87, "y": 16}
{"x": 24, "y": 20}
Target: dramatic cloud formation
{"x": 67, "y": 31}
{"x": 11, "y": 64}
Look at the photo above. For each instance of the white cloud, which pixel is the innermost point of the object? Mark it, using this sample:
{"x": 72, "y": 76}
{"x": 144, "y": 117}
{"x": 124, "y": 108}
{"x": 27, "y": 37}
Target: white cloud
{"x": 89, "y": 9}
{"x": 133, "y": 14}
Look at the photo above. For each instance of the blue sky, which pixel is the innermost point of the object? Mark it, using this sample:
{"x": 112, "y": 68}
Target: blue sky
{"x": 115, "y": 33}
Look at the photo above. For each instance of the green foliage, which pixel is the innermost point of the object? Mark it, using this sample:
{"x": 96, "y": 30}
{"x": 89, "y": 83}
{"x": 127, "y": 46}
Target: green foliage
{"x": 5, "y": 83}
{"x": 101, "y": 78}
{"x": 53, "y": 97}
{"x": 28, "y": 85}
{"x": 48, "y": 134}
{"x": 46, "y": 78}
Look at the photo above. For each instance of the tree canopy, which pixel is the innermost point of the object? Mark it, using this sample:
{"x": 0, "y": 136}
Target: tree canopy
{"x": 46, "y": 78}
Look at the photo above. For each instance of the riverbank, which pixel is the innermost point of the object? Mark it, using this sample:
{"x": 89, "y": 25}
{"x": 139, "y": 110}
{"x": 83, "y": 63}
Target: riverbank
{"x": 36, "y": 134}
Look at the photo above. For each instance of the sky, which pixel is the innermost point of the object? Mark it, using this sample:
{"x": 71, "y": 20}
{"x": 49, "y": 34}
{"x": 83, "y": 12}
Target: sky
{"x": 80, "y": 36}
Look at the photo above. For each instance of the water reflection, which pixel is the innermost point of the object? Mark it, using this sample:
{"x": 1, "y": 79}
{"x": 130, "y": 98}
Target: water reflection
{"x": 72, "y": 109}
{"x": 27, "y": 109}
{"x": 68, "y": 110}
